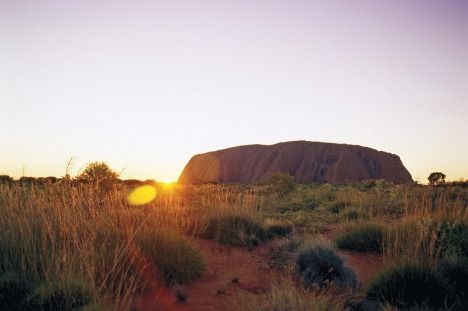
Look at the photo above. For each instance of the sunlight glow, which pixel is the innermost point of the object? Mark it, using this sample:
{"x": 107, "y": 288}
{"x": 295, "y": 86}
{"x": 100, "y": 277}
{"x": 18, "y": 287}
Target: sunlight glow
{"x": 142, "y": 195}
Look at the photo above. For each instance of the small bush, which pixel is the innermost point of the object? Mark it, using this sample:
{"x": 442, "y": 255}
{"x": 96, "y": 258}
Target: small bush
{"x": 281, "y": 183}
{"x": 70, "y": 294}
{"x": 176, "y": 258}
{"x": 311, "y": 204}
{"x": 277, "y": 229}
{"x": 235, "y": 230}
{"x": 362, "y": 238}
{"x": 336, "y": 208}
{"x": 320, "y": 264}
{"x": 14, "y": 290}
{"x": 410, "y": 285}
{"x": 355, "y": 215}
{"x": 455, "y": 270}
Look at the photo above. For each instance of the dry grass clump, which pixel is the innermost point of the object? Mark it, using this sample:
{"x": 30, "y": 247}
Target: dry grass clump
{"x": 362, "y": 238}
{"x": 284, "y": 295}
{"x": 320, "y": 265}
{"x": 177, "y": 260}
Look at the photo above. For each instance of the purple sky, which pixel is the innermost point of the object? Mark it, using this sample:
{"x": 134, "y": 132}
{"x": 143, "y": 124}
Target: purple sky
{"x": 144, "y": 85}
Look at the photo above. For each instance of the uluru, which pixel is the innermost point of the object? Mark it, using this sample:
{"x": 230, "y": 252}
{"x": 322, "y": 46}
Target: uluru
{"x": 306, "y": 161}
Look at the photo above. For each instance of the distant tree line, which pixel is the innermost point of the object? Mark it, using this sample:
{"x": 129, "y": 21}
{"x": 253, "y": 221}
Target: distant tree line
{"x": 95, "y": 173}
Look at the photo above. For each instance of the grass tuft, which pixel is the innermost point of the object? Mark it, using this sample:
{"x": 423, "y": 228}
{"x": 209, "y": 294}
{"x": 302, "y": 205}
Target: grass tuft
{"x": 362, "y": 238}
{"x": 320, "y": 265}
{"x": 410, "y": 285}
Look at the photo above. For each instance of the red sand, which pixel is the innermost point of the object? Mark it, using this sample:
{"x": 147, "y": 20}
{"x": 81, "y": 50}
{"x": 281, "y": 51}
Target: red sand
{"x": 253, "y": 270}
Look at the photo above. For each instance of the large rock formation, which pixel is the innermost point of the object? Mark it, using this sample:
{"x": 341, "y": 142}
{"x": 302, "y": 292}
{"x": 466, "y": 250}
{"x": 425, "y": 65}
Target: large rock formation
{"x": 306, "y": 161}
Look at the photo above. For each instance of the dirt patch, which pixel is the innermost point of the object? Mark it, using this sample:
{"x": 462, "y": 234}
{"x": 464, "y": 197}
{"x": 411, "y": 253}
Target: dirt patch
{"x": 230, "y": 271}
{"x": 239, "y": 271}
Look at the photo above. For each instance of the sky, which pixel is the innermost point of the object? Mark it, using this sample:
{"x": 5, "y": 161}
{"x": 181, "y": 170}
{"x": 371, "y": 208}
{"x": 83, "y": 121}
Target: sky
{"x": 145, "y": 85}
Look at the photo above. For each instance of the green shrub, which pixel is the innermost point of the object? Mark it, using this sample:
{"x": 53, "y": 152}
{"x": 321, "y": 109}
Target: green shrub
{"x": 410, "y": 285}
{"x": 176, "y": 258}
{"x": 14, "y": 290}
{"x": 311, "y": 204}
{"x": 235, "y": 230}
{"x": 336, "y": 208}
{"x": 356, "y": 214}
{"x": 453, "y": 239}
{"x": 319, "y": 264}
{"x": 281, "y": 183}
{"x": 277, "y": 229}
{"x": 362, "y": 238}
{"x": 455, "y": 270}
{"x": 70, "y": 294}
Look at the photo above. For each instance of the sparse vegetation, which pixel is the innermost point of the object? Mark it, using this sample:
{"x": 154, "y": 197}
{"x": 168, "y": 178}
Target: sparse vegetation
{"x": 64, "y": 242}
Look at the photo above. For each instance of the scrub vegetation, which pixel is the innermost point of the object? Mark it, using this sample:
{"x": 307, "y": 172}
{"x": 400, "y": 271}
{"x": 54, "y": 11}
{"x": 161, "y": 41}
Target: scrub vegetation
{"x": 73, "y": 244}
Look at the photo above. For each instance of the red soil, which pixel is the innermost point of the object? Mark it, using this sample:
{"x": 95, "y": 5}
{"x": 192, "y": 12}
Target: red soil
{"x": 254, "y": 270}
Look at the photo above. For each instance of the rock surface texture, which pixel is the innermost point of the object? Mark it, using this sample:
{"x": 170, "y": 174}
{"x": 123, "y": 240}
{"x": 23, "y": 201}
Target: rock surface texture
{"x": 306, "y": 161}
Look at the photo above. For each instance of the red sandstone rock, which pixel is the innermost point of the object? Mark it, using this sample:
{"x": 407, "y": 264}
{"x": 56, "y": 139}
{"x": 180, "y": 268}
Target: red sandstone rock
{"x": 306, "y": 161}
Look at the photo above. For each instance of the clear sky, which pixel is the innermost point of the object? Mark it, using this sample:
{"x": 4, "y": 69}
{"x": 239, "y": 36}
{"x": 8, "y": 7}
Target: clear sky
{"x": 145, "y": 85}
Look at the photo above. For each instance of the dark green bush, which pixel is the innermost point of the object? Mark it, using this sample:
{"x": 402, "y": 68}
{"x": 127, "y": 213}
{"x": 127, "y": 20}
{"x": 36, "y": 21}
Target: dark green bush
{"x": 235, "y": 230}
{"x": 453, "y": 239}
{"x": 455, "y": 271}
{"x": 362, "y": 238}
{"x": 319, "y": 264}
{"x": 277, "y": 229}
{"x": 71, "y": 294}
{"x": 336, "y": 208}
{"x": 410, "y": 285}
{"x": 176, "y": 258}
{"x": 14, "y": 290}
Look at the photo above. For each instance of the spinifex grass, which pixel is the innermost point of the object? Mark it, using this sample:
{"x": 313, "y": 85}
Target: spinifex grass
{"x": 57, "y": 233}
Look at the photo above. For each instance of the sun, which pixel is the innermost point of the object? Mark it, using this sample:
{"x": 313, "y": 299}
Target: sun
{"x": 168, "y": 182}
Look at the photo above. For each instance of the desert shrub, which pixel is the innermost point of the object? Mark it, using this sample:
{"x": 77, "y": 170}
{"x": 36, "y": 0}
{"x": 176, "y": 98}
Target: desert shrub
{"x": 277, "y": 229}
{"x": 455, "y": 270}
{"x": 336, "y": 207}
{"x": 281, "y": 183}
{"x": 410, "y": 285}
{"x": 70, "y": 294}
{"x": 235, "y": 229}
{"x": 175, "y": 256}
{"x": 14, "y": 290}
{"x": 453, "y": 239}
{"x": 362, "y": 238}
{"x": 311, "y": 203}
{"x": 320, "y": 264}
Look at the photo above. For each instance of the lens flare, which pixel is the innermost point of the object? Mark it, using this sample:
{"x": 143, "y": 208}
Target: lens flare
{"x": 142, "y": 195}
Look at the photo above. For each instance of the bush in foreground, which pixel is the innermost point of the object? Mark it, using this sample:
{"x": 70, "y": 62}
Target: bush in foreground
{"x": 411, "y": 285}
{"x": 320, "y": 264}
{"x": 176, "y": 258}
{"x": 362, "y": 238}
{"x": 235, "y": 230}
{"x": 68, "y": 294}
{"x": 455, "y": 270}
{"x": 14, "y": 290}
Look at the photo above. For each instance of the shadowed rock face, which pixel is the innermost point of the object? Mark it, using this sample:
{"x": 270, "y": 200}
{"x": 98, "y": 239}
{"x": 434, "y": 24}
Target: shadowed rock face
{"x": 306, "y": 161}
